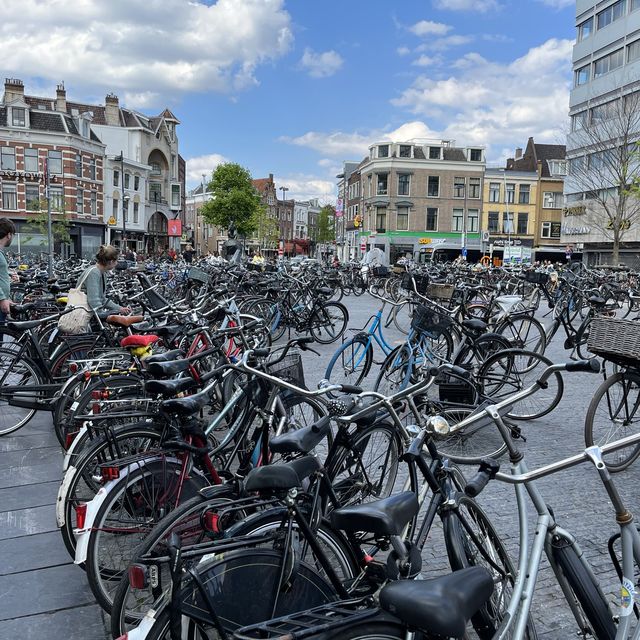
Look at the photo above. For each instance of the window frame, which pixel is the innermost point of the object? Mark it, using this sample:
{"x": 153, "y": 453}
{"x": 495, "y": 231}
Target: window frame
{"x": 9, "y": 189}
{"x": 20, "y": 125}
{"x": 116, "y": 178}
{"x": 429, "y": 181}
{"x": 379, "y": 191}
{"x": 522, "y": 215}
{"x": 8, "y": 153}
{"x": 582, "y": 75}
{"x": 581, "y": 35}
{"x": 508, "y": 219}
{"x": 32, "y": 155}
{"x": 408, "y": 184}
{"x": 493, "y": 216}
{"x": 426, "y": 222}
{"x": 380, "y": 153}
{"x": 610, "y": 11}
{"x": 33, "y": 187}
{"x": 526, "y": 192}
{"x": 404, "y": 147}
{"x": 56, "y": 197}
{"x": 93, "y": 171}
{"x": 473, "y": 152}
{"x": 459, "y": 186}
{"x": 93, "y": 203}
{"x": 404, "y": 215}
{"x": 457, "y": 220}
{"x": 381, "y": 215}
{"x": 78, "y": 165}
{"x": 545, "y": 226}
{"x": 54, "y": 159}
{"x": 80, "y": 201}
{"x": 510, "y": 194}
{"x": 494, "y": 195}
{"x": 473, "y": 220}
{"x": 432, "y": 155}
{"x": 475, "y": 188}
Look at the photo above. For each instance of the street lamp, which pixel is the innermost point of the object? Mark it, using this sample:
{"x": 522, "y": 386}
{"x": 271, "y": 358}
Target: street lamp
{"x": 125, "y": 199}
{"x": 284, "y": 201}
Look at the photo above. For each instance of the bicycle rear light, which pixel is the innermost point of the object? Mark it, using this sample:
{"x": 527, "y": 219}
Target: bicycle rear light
{"x": 109, "y": 473}
{"x": 138, "y": 578}
{"x": 81, "y": 514}
{"x": 212, "y": 522}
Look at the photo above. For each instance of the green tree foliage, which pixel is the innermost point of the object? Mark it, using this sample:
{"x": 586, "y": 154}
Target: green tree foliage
{"x": 326, "y": 224}
{"x": 267, "y": 229}
{"x": 38, "y": 223}
{"x": 235, "y": 201}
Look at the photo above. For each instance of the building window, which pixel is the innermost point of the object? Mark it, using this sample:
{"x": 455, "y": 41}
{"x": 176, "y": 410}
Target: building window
{"x": 155, "y": 167}
{"x": 474, "y": 188}
{"x": 558, "y": 167}
{"x": 383, "y": 151}
{"x": 611, "y": 14}
{"x": 175, "y": 198}
{"x": 78, "y": 165}
{"x": 125, "y": 210}
{"x": 433, "y": 186}
{"x": 55, "y": 162}
{"x": 404, "y": 180}
{"x": 32, "y": 197}
{"x": 79, "y": 201}
{"x": 545, "y": 230}
{"x": 9, "y": 196}
{"x": 457, "y": 221}
{"x": 18, "y": 117}
{"x": 608, "y": 63}
{"x": 382, "y": 186}
{"x": 552, "y": 200}
{"x": 635, "y": 4}
{"x": 582, "y": 75}
{"x": 86, "y": 130}
{"x": 432, "y": 219}
{"x": 511, "y": 193}
{"x": 404, "y": 151}
{"x": 507, "y": 222}
{"x": 579, "y": 120}
{"x": 94, "y": 203}
{"x": 155, "y": 192}
{"x": 633, "y": 50}
{"x": 127, "y": 180}
{"x": 402, "y": 219}
{"x": 475, "y": 155}
{"x": 494, "y": 192}
{"x": 493, "y": 221}
{"x": 92, "y": 169}
{"x": 114, "y": 209}
{"x": 56, "y": 197}
{"x": 8, "y": 159}
{"x": 523, "y": 223}
{"x": 31, "y": 160}
{"x": 523, "y": 194}
{"x": 434, "y": 153}
{"x": 458, "y": 187}
{"x": 116, "y": 178}
{"x": 473, "y": 219}
{"x": 136, "y": 183}
{"x": 585, "y": 29}
{"x": 381, "y": 219}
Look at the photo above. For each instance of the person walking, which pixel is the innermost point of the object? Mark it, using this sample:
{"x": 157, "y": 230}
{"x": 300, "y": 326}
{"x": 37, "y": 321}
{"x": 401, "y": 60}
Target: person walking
{"x": 7, "y": 231}
{"x": 94, "y": 281}
{"x": 188, "y": 254}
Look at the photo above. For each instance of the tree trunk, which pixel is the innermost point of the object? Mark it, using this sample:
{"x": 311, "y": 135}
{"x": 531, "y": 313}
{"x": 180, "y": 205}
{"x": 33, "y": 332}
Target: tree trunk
{"x": 615, "y": 249}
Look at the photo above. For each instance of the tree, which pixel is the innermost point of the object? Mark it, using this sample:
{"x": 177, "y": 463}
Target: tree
{"x": 326, "y": 224}
{"x": 267, "y": 229}
{"x": 606, "y": 170}
{"x": 235, "y": 202}
{"x": 38, "y": 223}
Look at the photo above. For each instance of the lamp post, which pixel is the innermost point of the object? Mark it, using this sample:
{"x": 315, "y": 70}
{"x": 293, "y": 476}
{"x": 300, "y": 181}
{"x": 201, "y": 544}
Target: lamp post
{"x": 284, "y": 201}
{"x": 506, "y": 203}
{"x": 125, "y": 200}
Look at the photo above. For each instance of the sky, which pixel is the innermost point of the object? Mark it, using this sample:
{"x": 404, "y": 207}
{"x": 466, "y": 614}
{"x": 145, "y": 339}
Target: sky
{"x": 297, "y": 87}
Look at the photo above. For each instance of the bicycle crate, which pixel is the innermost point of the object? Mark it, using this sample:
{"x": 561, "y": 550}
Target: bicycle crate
{"x": 454, "y": 389}
{"x": 289, "y": 369}
{"x": 427, "y": 320}
{"x": 380, "y": 272}
{"x": 536, "y": 277}
{"x": 199, "y": 275}
{"x": 615, "y": 339}
{"x": 439, "y": 291}
{"x": 422, "y": 282}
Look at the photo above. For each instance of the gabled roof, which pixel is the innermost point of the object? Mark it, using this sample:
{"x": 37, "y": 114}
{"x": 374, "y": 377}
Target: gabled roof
{"x": 47, "y": 121}
{"x": 261, "y": 184}
{"x": 535, "y": 153}
{"x": 167, "y": 115}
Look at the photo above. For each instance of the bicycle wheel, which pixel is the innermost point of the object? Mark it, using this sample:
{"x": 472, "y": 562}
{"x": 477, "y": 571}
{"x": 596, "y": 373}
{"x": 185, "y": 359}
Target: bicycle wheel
{"x": 476, "y": 351}
{"x": 17, "y": 373}
{"x": 369, "y": 630}
{"x": 395, "y": 372}
{"x": 402, "y": 316}
{"x": 463, "y": 552}
{"x": 367, "y": 468}
{"x": 587, "y": 595}
{"x": 351, "y": 363}
{"x": 524, "y": 332}
{"x": 612, "y": 415}
{"x": 328, "y": 322}
{"x": 251, "y": 582}
{"x": 513, "y": 370}
{"x": 133, "y": 507}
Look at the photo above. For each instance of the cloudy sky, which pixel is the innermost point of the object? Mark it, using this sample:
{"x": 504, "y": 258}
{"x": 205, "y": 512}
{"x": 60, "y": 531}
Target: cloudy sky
{"x": 296, "y": 87}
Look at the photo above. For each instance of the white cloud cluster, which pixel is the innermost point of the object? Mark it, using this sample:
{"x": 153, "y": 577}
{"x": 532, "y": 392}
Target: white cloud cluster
{"x": 307, "y": 187}
{"x": 559, "y": 4}
{"x": 202, "y": 165}
{"x": 466, "y": 5}
{"x": 144, "y": 47}
{"x": 427, "y": 27}
{"x": 321, "y": 65}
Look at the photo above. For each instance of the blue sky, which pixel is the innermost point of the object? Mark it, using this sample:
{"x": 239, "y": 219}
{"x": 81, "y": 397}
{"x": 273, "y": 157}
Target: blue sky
{"x": 296, "y": 87}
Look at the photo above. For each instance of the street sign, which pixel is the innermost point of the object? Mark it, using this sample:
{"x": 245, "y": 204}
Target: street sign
{"x": 363, "y": 247}
{"x": 112, "y": 221}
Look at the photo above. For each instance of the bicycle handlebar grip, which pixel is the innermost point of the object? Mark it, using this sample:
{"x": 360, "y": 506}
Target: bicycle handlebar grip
{"x": 460, "y": 372}
{"x": 350, "y": 388}
{"x": 322, "y": 426}
{"x": 262, "y": 352}
{"x": 487, "y": 471}
{"x": 587, "y": 366}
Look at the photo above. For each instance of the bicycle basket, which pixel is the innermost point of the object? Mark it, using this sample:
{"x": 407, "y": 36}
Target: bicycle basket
{"x": 615, "y": 339}
{"x": 439, "y": 291}
{"x": 289, "y": 369}
{"x": 380, "y": 272}
{"x": 422, "y": 282}
{"x": 426, "y": 320}
{"x": 454, "y": 389}
{"x": 536, "y": 277}
{"x": 199, "y": 275}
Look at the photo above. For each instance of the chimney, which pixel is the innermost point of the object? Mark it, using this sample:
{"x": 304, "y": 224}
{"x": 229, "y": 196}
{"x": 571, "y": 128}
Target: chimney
{"x": 13, "y": 90}
{"x": 518, "y": 153}
{"x": 61, "y": 98}
{"x": 112, "y": 110}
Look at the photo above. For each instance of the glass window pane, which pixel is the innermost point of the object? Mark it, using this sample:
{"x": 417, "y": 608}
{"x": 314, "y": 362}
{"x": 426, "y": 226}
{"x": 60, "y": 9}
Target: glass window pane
{"x": 8, "y": 159}
{"x": 55, "y": 162}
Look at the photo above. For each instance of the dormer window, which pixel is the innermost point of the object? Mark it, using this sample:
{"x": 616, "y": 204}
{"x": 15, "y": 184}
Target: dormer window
{"x": 18, "y": 117}
{"x": 475, "y": 155}
{"x": 383, "y": 151}
{"x": 404, "y": 151}
{"x": 86, "y": 130}
{"x": 558, "y": 167}
{"x": 434, "y": 153}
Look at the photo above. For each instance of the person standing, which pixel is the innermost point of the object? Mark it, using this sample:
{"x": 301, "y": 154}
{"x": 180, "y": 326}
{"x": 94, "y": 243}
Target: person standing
{"x": 7, "y": 231}
{"x": 188, "y": 254}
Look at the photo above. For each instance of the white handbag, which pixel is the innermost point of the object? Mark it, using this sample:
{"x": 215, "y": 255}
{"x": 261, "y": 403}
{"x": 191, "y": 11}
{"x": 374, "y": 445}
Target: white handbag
{"x": 76, "y": 321}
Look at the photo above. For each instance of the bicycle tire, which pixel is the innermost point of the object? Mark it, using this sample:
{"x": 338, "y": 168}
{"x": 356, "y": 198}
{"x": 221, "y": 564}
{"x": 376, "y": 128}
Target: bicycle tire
{"x": 462, "y": 553}
{"x": 524, "y": 332}
{"x": 615, "y": 418}
{"x": 351, "y": 363}
{"x": 395, "y": 372}
{"x": 476, "y": 351}
{"x": 402, "y": 316}
{"x": 588, "y": 595}
{"x": 328, "y": 322}
{"x": 506, "y": 373}
{"x": 369, "y": 630}
{"x": 17, "y": 372}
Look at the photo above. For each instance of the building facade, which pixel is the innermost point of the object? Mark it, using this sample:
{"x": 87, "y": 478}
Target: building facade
{"x": 606, "y": 71}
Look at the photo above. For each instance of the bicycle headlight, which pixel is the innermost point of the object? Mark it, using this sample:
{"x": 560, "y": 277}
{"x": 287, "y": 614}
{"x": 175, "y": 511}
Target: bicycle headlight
{"x": 439, "y": 425}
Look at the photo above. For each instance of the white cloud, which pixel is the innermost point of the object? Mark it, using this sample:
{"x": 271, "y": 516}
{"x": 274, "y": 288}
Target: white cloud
{"x": 200, "y": 165}
{"x": 425, "y": 61}
{"x": 403, "y": 51}
{"x": 559, "y": 4}
{"x": 427, "y": 27}
{"x": 484, "y": 102}
{"x": 306, "y": 187}
{"x": 466, "y": 5}
{"x": 321, "y": 65}
{"x": 144, "y": 48}
{"x": 441, "y": 44}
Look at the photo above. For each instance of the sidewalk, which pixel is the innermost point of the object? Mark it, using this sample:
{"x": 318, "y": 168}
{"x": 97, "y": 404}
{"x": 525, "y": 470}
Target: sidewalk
{"x": 42, "y": 593}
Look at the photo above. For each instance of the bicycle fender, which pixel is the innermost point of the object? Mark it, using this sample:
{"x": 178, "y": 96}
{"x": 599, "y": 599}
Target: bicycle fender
{"x": 142, "y": 630}
{"x": 70, "y": 452}
{"x": 62, "y": 492}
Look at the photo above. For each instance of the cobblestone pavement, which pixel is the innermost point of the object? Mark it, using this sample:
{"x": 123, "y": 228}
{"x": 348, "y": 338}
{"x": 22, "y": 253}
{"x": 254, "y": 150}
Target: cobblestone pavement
{"x": 43, "y": 595}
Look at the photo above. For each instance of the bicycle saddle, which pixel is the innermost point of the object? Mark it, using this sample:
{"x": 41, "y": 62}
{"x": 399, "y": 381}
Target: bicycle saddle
{"x": 385, "y": 517}
{"x": 169, "y": 388}
{"x": 185, "y": 406}
{"x": 301, "y": 440}
{"x": 167, "y": 356}
{"x": 439, "y": 606}
{"x": 281, "y": 476}
{"x": 124, "y": 321}
{"x": 23, "y": 325}
{"x": 167, "y": 369}
{"x": 475, "y": 324}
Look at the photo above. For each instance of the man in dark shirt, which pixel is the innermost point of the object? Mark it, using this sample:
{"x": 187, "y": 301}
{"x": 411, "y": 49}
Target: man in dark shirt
{"x": 7, "y": 231}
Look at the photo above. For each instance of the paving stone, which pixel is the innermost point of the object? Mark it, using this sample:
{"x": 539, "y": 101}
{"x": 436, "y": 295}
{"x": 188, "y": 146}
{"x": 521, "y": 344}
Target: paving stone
{"x": 26, "y": 522}
{"x": 45, "y": 550}
{"x": 30, "y": 495}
